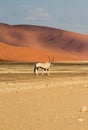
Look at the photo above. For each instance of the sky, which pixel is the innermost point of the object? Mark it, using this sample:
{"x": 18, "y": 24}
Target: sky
{"x": 71, "y": 15}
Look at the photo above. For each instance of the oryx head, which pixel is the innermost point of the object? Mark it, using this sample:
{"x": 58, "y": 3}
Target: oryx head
{"x": 51, "y": 60}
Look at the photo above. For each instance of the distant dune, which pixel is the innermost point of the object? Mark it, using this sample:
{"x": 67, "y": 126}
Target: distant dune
{"x": 36, "y": 43}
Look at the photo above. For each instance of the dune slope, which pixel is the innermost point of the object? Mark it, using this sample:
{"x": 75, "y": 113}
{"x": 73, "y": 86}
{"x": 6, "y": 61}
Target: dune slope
{"x": 36, "y": 43}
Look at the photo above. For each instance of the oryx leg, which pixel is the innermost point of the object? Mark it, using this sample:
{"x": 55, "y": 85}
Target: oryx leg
{"x": 48, "y": 71}
{"x": 43, "y": 72}
{"x": 36, "y": 71}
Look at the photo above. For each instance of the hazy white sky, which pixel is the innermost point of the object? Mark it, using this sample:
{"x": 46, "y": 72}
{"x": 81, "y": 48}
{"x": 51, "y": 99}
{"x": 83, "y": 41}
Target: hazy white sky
{"x": 69, "y": 15}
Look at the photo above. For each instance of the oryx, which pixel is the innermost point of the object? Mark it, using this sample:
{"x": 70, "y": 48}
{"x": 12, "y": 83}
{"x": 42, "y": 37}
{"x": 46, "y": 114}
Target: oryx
{"x": 44, "y": 66}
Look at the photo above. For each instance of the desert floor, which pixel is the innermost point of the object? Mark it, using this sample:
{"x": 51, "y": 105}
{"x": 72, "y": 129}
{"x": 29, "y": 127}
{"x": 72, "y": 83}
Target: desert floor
{"x": 55, "y": 102}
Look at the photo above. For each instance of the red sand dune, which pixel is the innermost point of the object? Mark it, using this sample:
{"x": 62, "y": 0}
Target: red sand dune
{"x": 36, "y": 43}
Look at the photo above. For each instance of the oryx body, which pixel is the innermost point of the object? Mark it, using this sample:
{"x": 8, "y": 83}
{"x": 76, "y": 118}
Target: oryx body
{"x": 45, "y": 66}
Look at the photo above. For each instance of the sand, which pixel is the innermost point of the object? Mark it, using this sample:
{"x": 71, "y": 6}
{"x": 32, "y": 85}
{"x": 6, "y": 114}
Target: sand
{"x": 55, "y": 102}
